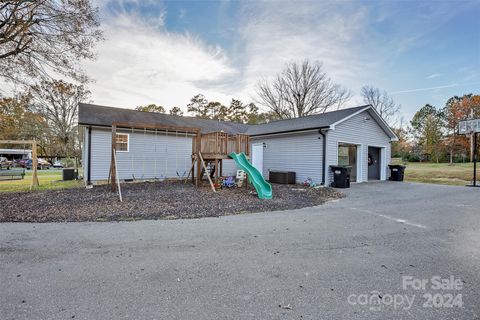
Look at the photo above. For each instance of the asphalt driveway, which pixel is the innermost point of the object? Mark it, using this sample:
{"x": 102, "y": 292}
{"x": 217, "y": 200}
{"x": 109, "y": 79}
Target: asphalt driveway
{"x": 314, "y": 263}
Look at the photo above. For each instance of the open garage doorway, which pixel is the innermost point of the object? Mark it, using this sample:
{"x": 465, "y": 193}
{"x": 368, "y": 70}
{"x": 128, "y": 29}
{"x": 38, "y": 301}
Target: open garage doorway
{"x": 347, "y": 156}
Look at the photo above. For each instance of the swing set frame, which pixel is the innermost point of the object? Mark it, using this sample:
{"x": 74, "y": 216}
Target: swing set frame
{"x": 33, "y": 144}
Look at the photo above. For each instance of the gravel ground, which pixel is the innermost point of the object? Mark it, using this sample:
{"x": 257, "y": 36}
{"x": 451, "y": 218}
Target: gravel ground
{"x": 152, "y": 200}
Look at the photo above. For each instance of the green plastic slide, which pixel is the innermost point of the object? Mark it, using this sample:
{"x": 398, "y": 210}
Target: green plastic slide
{"x": 264, "y": 189}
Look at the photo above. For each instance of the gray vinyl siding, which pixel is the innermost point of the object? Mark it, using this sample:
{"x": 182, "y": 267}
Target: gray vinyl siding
{"x": 229, "y": 167}
{"x": 298, "y": 152}
{"x": 149, "y": 156}
{"x": 364, "y": 133}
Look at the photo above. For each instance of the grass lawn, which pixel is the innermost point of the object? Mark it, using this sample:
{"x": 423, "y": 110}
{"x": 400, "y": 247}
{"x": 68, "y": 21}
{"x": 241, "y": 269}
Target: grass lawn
{"x": 49, "y": 179}
{"x": 441, "y": 173}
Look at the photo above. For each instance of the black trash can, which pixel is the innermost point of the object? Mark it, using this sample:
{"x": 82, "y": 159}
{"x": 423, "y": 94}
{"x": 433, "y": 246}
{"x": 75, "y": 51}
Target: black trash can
{"x": 68, "y": 174}
{"x": 396, "y": 172}
{"x": 341, "y": 176}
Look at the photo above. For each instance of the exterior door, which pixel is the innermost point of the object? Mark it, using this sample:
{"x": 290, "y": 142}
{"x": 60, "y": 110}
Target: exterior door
{"x": 347, "y": 156}
{"x": 373, "y": 163}
{"x": 257, "y": 156}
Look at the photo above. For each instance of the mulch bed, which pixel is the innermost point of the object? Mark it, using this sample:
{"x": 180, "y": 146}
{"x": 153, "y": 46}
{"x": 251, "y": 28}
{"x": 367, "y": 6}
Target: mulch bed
{"x": 152, "y": 200}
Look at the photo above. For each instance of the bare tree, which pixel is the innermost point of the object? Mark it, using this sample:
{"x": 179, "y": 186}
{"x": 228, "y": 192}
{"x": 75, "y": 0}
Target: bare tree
{"x": 58, "y": 102}
{"x": 301, "y": 90}
{"x": 38, "y": 37}
{"x": 382, "y": 102}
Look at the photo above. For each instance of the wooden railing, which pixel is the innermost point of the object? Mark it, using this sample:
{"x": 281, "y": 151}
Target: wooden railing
{"x": 220, "y": 144}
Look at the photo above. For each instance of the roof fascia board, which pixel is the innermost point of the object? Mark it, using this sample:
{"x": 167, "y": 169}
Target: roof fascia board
{"x": 286, "y": 132}
{"x": 105, "y": 127}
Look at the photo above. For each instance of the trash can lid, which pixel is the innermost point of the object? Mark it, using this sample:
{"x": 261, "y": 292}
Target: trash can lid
{"x": 396, "y": 166}
{"x": 341, "y": 167}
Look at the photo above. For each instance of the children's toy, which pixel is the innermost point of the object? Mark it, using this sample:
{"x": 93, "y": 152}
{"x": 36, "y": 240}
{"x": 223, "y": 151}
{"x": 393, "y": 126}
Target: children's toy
{"x": 240, "y": 178}
{"x": 229, "y": 182}
{"x": 309, "y": 183}
{"x": 240, "y": 174}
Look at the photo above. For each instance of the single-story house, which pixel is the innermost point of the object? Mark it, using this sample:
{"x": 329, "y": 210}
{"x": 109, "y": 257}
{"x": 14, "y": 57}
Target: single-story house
{"x": 358, "y": 137}
{"x": 16, "y": 154}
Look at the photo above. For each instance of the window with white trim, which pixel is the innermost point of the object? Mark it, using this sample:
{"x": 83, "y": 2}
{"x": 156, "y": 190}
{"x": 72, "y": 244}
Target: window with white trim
{"x": 122, "y": 142}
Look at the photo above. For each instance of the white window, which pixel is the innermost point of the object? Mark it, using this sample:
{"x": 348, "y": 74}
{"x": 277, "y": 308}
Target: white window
{"x": 122, "y": 142}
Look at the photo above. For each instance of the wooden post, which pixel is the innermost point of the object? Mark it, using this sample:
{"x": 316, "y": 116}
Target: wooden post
{"x": 206, "y": 172}
{"x": 199, "y": 165}
{"x": 113, "y": 169}
{"x": 221, "y": 168}
{"x": 118, "y": 180}
{"x": 35, "y": 183}
{"x": 216, "y": 170}
{"x": 192, "y": 171}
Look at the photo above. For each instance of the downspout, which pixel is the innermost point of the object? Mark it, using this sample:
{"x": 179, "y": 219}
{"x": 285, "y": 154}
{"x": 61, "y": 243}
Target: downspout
{"x": 89, "y": 155}
{"x": 324, "y": 154}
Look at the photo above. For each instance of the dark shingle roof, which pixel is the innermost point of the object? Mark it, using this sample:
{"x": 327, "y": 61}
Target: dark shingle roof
{"x": 89, "y": 114}
{"x": 310, "y": 122}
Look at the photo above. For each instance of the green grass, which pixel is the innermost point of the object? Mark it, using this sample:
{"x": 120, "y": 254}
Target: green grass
{"x": 49, "y": 180}
{"x": 441, "y": 173}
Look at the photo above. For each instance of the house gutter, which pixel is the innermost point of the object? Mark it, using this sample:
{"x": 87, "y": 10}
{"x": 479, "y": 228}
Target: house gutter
{"x": 89, "y": 156}
{"x": 285, "y": 132}
{"x": 324, "y": 155}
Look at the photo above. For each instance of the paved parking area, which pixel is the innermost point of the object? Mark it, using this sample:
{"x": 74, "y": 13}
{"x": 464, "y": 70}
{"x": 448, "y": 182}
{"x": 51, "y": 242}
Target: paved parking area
{"x": 314, "y": 263}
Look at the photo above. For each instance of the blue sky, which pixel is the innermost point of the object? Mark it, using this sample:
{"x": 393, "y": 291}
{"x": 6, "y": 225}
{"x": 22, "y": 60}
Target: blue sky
{"x": 164, "y": 52}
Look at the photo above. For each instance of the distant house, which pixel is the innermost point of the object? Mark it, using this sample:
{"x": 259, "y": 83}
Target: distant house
{"x": 16, "y": 154}
{"x": 358, "y": 137}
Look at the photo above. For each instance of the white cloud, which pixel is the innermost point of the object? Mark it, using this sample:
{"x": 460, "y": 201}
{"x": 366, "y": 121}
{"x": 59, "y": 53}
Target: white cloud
{"x": 453, "y": 85}
{"x": 140, "y": 63}
{"x": 359, "y": 43}
{"x": 328, "y": 32}
{"x": 434, "y": 75}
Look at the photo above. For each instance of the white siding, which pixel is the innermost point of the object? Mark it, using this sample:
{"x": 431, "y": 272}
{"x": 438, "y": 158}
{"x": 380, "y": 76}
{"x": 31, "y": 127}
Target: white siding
{"x": 357, "y": 130}
{"x": 298, "y": 152}
{"x": 229, "y": 167}
{"x": 149, "y": 156}
{"x": 163, "y": 156}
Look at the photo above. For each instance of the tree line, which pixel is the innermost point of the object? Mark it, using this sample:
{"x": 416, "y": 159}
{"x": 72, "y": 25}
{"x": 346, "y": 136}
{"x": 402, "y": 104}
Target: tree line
{"x": 46, "y": 112}
{"x": 42, "y": 45}
{"x": 200, "y": 107}
{"x": 432, "y": 134}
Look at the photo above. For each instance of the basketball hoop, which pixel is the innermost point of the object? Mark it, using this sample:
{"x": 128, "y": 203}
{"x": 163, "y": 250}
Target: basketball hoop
{"x": 470, "y": 128}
